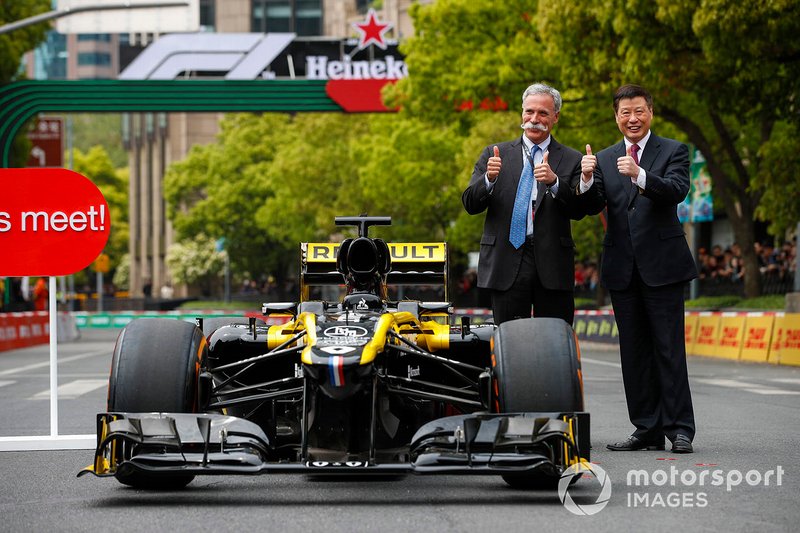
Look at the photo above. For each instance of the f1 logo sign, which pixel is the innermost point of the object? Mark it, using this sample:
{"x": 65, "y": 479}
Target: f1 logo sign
{"x": 244, "y": 56}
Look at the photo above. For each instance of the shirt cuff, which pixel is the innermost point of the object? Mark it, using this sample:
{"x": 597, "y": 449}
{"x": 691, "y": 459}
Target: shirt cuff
{"x": 641, "y": 179}
{"x": 586, "y": 185}
{"x": 489, "y": 184}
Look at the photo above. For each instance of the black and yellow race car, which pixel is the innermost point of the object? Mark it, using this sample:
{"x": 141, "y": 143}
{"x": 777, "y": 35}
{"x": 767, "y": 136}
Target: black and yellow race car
{"x": 361, "y": 385}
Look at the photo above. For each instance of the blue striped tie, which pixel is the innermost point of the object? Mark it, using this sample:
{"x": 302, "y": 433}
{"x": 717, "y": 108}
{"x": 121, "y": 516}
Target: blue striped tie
{"x": 519, "y": 217}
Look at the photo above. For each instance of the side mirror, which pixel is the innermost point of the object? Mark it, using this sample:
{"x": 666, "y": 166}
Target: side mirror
{"x": 279, "y": 308}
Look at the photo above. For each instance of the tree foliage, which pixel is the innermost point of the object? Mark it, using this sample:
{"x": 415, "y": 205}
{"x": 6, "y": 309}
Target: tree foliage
{"x": 218, "y": 189}
{"x": 14, "y": 44}
{"x": 724, "y": 74}
{"x": 196, "y": 261}
{"x": 273, "y": 181}
{"x": 100, "y": 129}
{"x": 96, "y": 165}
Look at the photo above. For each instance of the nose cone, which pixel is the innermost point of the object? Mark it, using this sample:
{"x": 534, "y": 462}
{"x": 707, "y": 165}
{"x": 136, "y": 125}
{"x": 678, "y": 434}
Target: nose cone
{"x": 338, "y": 370}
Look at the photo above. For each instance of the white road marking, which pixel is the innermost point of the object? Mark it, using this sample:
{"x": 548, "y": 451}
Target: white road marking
{"x": 599, "y": 362}
{"x": 790, "y": 381}
{"x": 60, "y": 361}
{"x": 73, "y": 389}
{"x": 755, "y": 388}
{"x": 4, "y": 383}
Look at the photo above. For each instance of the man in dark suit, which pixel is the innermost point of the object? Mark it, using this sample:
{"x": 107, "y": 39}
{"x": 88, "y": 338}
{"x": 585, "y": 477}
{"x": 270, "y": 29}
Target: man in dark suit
{"x": 646, "y": 264}
{"x": 525, "y": 186}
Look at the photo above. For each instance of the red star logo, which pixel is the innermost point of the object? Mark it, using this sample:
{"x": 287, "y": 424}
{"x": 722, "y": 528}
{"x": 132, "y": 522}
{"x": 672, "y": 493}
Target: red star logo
{"x": 372, "y": 31}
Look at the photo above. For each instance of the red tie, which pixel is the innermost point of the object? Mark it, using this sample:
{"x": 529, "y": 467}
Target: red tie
{"x": 635, "y": 156}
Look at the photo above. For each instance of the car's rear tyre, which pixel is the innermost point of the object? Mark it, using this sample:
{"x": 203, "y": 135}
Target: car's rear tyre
{"x": 155, "y": 369}
{"x": 537, "y": 369}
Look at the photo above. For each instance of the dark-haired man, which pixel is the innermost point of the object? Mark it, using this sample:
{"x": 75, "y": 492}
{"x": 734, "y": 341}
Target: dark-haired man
{"x": 646, "y": 264}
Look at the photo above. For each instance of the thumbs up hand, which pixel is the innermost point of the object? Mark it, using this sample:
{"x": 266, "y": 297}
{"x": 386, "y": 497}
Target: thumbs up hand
{"x": 627, "y": 166}
{"x": 542, "y": 172}
{"x": 493, "y": 165}
{"x": 588, "y": 164}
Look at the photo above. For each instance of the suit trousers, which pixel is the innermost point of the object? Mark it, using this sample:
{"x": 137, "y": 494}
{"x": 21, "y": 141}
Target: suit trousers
{"x": 528, "y": 290}
{"x": 653, "y": 356}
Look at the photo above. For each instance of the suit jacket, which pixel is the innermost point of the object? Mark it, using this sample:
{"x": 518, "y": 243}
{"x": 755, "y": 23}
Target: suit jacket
{"x": 643, "y": 227}
{"x": 554, "y": 249}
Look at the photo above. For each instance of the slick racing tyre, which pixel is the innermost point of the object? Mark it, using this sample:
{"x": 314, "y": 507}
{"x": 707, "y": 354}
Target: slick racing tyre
{"x": 155, "y": 369}
{"x": 536, "y": 370}
{"x": 537, "y": 366}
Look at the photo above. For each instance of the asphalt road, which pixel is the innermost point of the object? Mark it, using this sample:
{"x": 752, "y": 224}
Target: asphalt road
{"x": 748, "y": 417}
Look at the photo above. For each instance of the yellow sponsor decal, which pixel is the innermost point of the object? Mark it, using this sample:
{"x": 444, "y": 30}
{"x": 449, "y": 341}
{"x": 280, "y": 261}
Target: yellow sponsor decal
{"x": 402, "y": 252}
{"x": 321, "y": 252}
{"x": 418, "y": 251}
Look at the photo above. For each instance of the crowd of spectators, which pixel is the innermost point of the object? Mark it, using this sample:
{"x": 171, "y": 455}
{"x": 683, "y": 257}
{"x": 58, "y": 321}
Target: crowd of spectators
{"x": 587, "y": 277}
{"x": 721, "y": 269}
{"x": 777, "y": 265}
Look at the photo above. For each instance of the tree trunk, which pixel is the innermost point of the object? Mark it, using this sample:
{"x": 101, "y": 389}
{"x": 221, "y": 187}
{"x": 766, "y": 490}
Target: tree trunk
{"x": 731, "y": 188}
{"x": 744, "y": 232}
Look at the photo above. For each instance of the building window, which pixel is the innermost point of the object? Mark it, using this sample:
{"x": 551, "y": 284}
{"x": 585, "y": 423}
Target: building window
{"x": 303, "y": 17}
{"x": 94, "y": 59}
{"x": 97, "y": 37}
{"x": 363, "y": 5}
{"x": 207, "y": 16}
{"x": 50, "y": 58}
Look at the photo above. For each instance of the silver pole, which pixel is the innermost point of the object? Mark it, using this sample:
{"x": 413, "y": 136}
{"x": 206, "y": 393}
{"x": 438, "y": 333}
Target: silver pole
{"x": 50, "y": 15}
{"x": 99, "y": 292}
{"x": 53, "y": 311}
{"x": 227, "y": 278}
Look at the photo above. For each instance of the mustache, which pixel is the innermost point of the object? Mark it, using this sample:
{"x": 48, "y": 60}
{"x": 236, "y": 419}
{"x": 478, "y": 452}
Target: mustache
{"x": 532, "y": 126}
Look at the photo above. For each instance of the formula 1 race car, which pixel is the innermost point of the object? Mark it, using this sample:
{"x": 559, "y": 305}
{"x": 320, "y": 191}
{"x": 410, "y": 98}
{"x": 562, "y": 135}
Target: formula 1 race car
{"x": 361, "y": 385}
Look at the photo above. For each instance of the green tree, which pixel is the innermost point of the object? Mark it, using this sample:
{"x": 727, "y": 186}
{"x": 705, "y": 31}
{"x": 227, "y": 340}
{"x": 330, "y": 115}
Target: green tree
{"x": 14, "y": 44}
{"x": 196, "y": 261}
{"x": 313, "y": 177}
{"x": 408, "y": 170}
{"x": 468, "y": 52}
{"x": 273, "y": 181}
{"x": 122, "y": 274}
{"x": 113, "y": 183}
{"x": 12, "y": 47}
{"x": 218, "y": 189}
{"x": 100, "y": 129}
{"x": 723, "y": 72}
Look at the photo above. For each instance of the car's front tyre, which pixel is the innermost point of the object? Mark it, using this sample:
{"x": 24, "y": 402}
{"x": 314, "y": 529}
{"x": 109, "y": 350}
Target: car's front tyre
{"x": 155, "y": 368}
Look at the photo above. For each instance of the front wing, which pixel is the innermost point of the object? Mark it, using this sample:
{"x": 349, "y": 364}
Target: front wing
{"x": 207, "y": 444}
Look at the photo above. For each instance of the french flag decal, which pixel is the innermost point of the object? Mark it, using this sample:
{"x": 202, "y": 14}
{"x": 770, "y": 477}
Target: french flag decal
{"x": 336, "y": 370}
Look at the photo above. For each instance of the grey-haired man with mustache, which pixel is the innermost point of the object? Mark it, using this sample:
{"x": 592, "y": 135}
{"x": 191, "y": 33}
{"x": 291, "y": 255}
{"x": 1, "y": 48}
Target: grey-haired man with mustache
{"x": 526, "y": 187}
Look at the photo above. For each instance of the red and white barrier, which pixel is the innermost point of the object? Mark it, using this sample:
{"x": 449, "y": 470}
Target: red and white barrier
{"x": 19, "y": 330}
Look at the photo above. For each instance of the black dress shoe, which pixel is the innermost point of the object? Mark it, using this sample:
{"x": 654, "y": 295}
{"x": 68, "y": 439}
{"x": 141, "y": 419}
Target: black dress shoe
{"x": 635, "y": 443}
{"x": 682, "y": 444}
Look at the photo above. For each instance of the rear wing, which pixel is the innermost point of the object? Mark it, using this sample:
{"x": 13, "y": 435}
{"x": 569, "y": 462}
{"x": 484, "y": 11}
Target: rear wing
{"x": 417, "y": 263}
